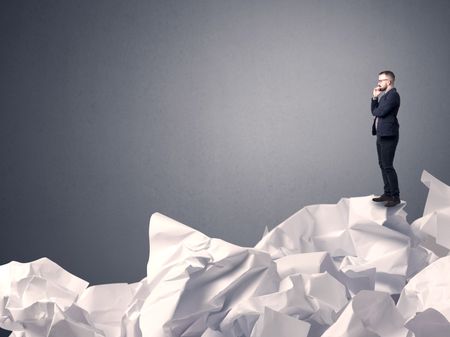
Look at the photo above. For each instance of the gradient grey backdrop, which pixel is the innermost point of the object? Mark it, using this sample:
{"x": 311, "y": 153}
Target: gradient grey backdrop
{"x": 228, "y": 116}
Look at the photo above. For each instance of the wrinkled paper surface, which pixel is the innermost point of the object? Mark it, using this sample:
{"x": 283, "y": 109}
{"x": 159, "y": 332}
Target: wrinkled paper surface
{"x": 328, "y": 270}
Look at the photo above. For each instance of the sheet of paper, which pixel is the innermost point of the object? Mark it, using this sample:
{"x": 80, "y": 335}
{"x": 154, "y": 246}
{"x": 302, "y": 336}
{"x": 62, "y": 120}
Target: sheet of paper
{"x": 370, "y": 314}
{"x": 273, "y": 323}
{"x": 428, "y": 289}
{"x": 429, "y": 323}
{"x": 436, "y": 215}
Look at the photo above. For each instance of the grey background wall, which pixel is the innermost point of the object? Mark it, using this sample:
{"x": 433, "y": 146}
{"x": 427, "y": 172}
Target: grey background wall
{"x": 228, "y": 116}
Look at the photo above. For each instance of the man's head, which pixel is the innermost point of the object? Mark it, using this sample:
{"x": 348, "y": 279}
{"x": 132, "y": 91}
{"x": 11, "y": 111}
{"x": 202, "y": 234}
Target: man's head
{"x": 386, "y": 80}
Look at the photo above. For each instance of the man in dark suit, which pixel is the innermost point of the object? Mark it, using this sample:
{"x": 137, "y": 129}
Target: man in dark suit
{"x": 384, "y": 105}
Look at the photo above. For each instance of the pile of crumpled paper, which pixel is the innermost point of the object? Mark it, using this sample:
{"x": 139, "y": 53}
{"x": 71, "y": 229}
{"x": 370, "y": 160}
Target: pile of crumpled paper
{"x": 328, "y": 270}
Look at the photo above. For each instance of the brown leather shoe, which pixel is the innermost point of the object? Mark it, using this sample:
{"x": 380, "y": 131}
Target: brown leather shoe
{"x": 393, "y": 202}
{"x": 382, "y": 198}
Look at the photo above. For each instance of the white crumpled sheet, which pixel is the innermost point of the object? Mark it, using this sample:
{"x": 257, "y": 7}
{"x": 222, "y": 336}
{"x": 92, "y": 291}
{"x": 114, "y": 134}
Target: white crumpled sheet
{"x": 328, "y": 270}
{"x": 436, "y": 215}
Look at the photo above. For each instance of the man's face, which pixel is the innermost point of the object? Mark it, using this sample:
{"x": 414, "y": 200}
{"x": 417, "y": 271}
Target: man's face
{"x": 383, "y": 82}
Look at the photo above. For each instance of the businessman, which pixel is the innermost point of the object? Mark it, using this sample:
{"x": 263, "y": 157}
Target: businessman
{"x": 384, "y": 105}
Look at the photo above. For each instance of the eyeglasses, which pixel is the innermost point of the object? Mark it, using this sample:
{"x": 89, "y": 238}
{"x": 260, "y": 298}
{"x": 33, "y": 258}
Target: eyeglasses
{"x": 384, "y": 79}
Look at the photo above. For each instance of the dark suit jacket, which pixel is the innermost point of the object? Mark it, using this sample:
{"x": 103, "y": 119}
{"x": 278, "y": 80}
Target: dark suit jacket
{"x": 385, "y": 110}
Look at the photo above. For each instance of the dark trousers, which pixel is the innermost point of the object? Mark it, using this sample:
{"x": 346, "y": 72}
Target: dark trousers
{"x": 386, "y": 146}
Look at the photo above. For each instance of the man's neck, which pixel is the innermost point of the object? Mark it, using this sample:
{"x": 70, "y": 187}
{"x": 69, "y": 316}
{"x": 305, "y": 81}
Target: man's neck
{"x": 388, "y": 88}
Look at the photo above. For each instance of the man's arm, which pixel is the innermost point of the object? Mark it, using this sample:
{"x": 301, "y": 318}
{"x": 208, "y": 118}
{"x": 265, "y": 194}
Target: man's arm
{"x": 387, "y": 106}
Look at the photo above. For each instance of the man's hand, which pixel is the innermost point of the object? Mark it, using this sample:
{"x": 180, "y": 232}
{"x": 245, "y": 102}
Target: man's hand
{"x": 376, "y": 91}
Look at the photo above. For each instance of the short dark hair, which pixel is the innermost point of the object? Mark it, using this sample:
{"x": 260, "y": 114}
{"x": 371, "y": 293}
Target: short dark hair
{"x": 388, "y": 73}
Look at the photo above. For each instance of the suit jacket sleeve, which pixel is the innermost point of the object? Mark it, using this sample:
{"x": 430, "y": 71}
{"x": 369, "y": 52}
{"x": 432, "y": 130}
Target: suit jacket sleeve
{"x": 388, "y": 105}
